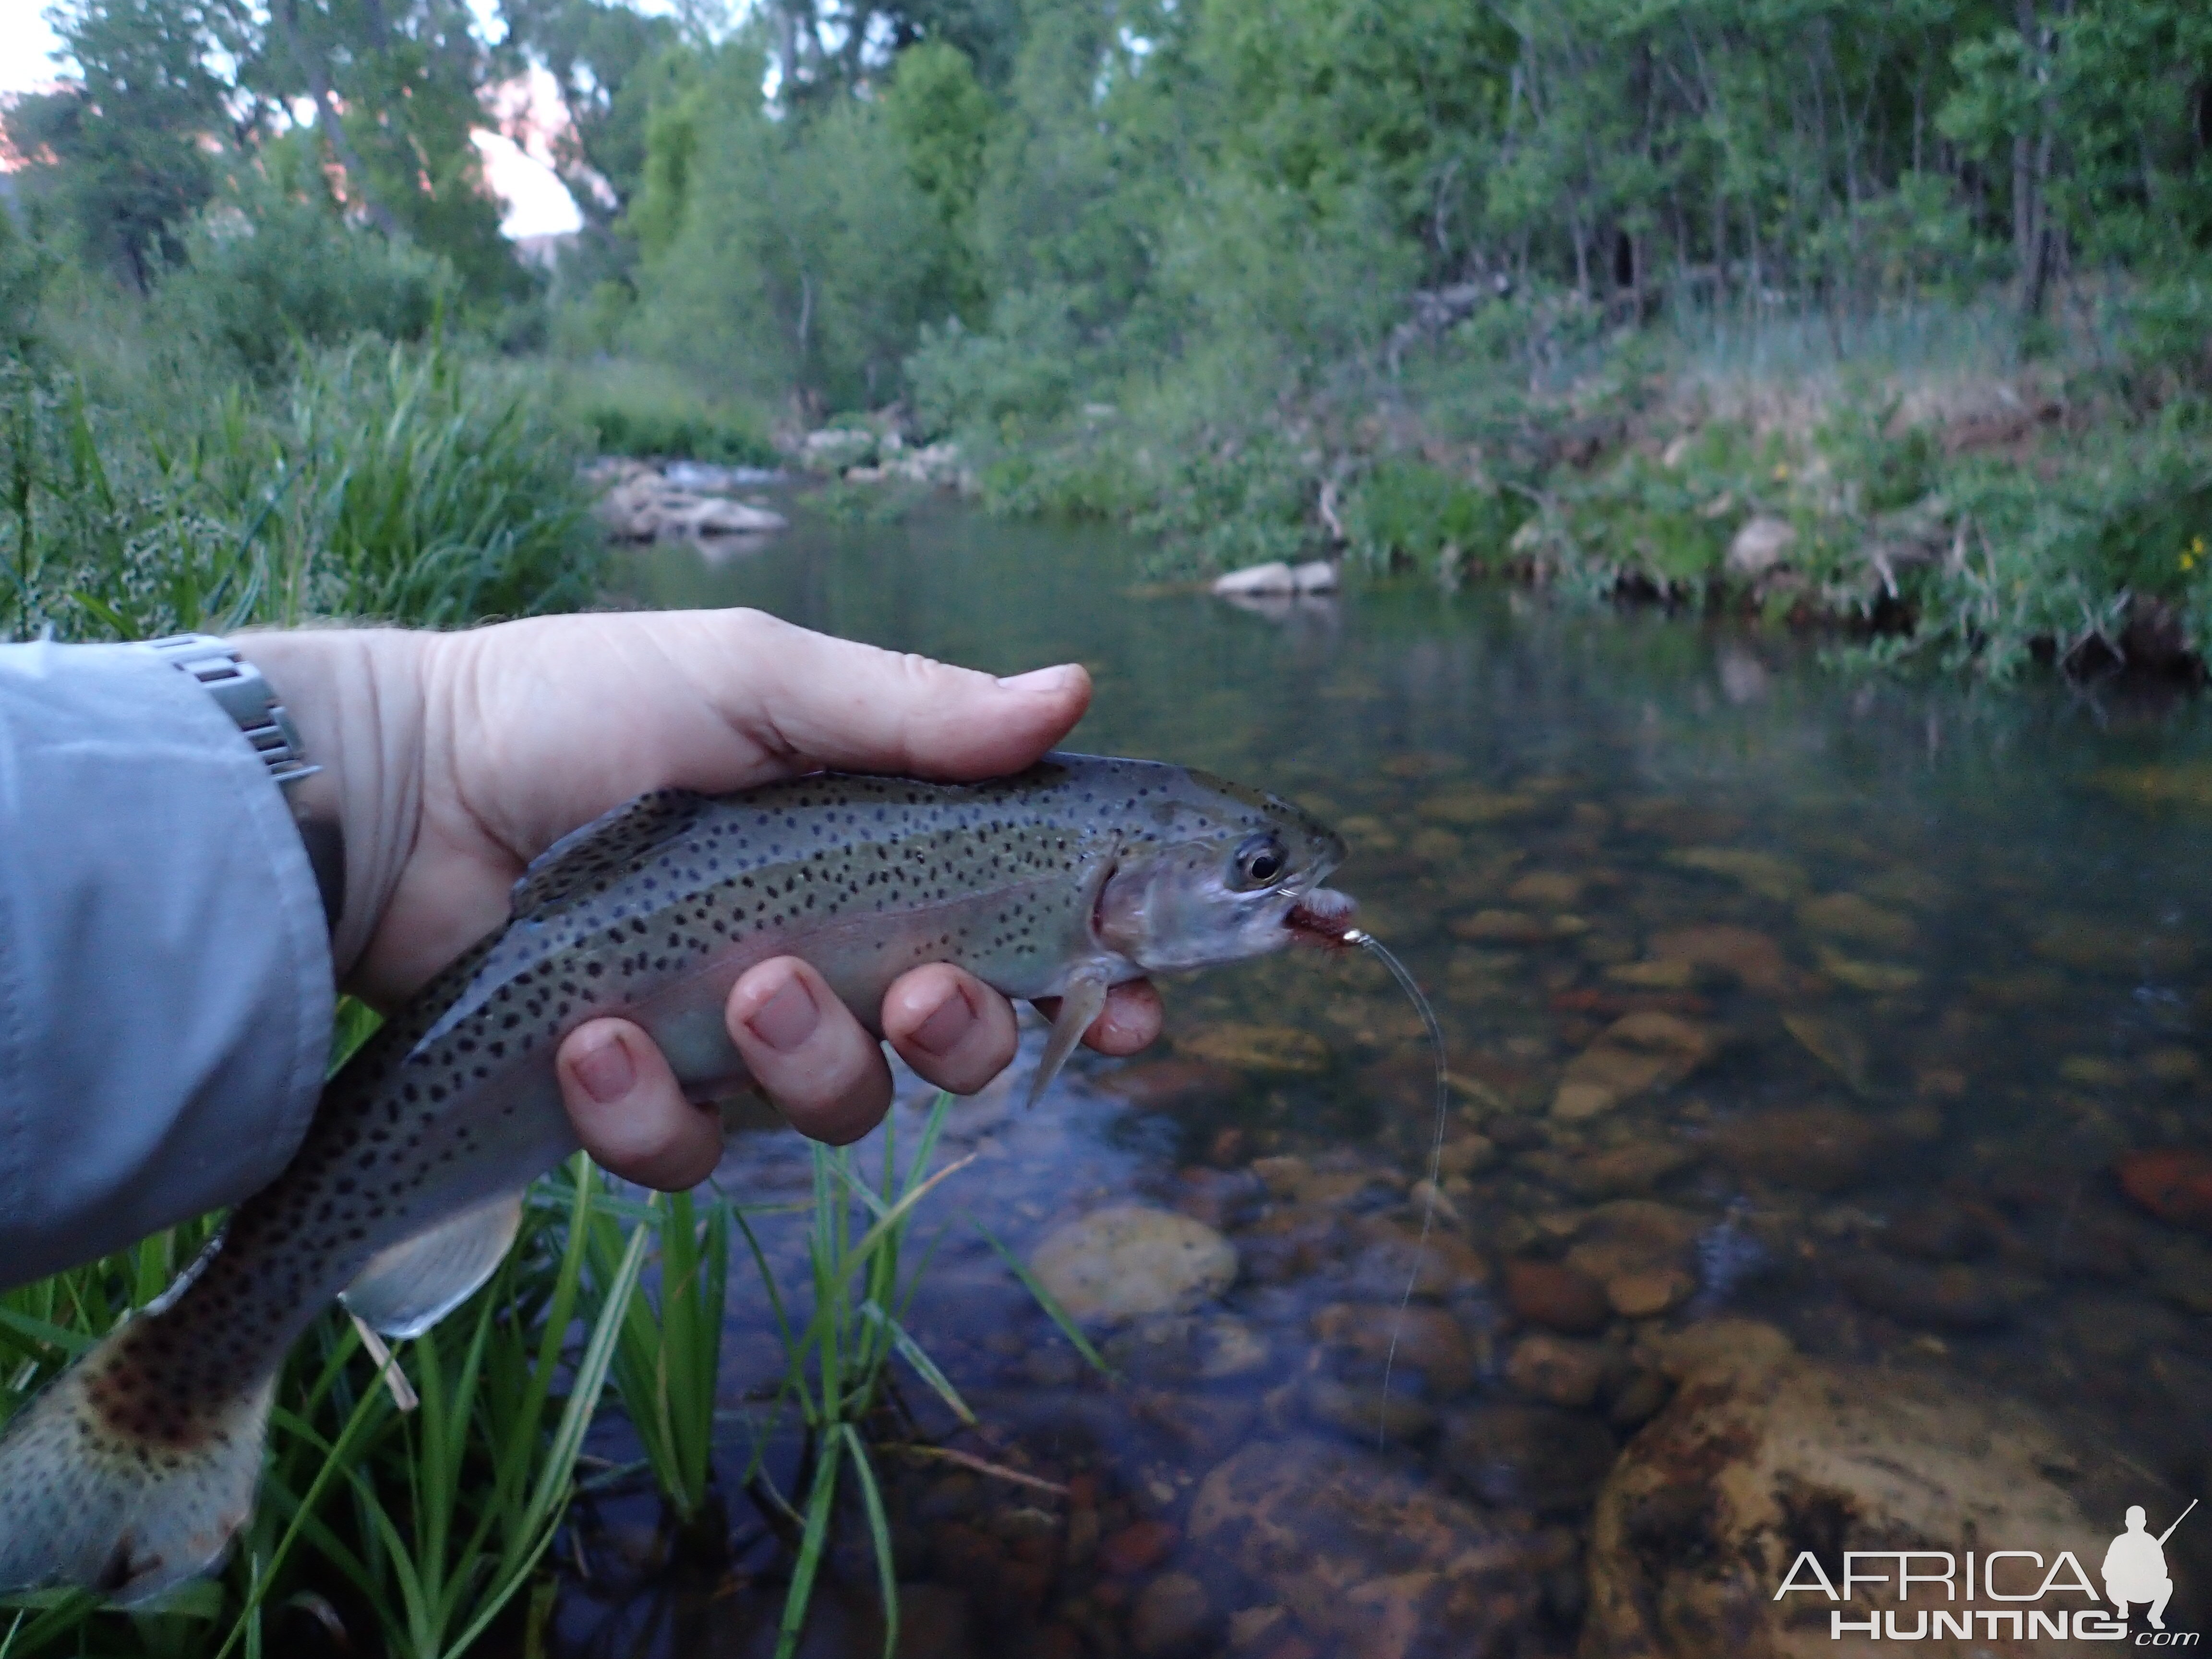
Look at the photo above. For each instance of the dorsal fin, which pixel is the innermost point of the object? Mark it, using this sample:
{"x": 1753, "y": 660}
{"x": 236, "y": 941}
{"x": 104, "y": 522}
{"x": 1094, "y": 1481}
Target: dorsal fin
{"x": 587, "y": 860}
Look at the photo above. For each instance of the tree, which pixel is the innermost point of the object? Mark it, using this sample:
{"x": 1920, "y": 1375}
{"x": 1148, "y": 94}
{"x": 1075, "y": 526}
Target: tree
{"x": 609, "y": 62}
{"x": 130, "y": 152}
{"x": 395, "y": 85}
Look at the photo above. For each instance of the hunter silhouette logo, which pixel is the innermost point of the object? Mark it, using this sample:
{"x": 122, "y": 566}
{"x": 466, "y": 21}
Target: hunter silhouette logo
{"x": 2134, "y": 1566}
{"x": 2018, "y": 1581}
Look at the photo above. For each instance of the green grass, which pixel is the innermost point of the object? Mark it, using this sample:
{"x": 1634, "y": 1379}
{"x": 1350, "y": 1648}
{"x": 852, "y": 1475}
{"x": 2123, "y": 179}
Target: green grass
{"x": 430, "y": 1522}
{"x": 667, "y": 1359}
{"x": 860, "y": 1282}
{"x": 386, "y": 483}
{"x": 638, "y": 409}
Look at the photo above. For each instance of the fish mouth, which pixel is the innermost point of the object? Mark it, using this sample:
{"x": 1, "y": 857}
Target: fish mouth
{"x": 1323, "y": 917}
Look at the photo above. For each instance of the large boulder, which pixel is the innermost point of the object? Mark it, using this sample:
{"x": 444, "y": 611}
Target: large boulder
{"x": 641, "y": 504}
{"x": 1761, "y": 545}
{"x": 1764, "y": 1453}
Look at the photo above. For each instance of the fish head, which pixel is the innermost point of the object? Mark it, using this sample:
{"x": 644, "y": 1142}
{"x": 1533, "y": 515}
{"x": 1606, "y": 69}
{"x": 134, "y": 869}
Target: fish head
{"x": 1217, "y": 874}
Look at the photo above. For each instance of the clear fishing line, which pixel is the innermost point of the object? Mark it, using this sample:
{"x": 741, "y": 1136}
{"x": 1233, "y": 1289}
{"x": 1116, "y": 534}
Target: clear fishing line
{"x": 1367, "y": 942}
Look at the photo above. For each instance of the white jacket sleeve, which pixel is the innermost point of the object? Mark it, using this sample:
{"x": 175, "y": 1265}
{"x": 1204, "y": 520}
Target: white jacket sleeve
{"x": 165, "y": 971}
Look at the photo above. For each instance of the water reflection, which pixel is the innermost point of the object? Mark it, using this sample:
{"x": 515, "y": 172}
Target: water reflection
{"x": 1827, "y": 1166}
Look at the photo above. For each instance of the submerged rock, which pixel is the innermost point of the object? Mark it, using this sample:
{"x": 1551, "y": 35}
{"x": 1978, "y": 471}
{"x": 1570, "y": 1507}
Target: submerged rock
{"x": 1825, "y": 1148}
{"x": 1366, "y": 1411}
{"x": 1762, "y": 1454}
{"x": 1129, "y": 1260}
{"x": 1469, "y": 806}
{"x": 1851, "y": 916}
{"x": 1173, "y": 1612}
{"x": 1363, "y": 1553}
{"x": 2092, "y": 945}
{"x": 1750, "y": 956}
{"x": 1874, "y": 978}
{"x": 1763, "y": 873}
{"x": 1622, "y": 1172}
{"x": 1257, "y": 1048}
{"x": 1504, "y": 927}
{"x": 1559, "y": 1372}
{"x": 1167, "y": 1086}
{"x": 1953, "y": 1296}
{"x": 1137, "y": 1547}
{"x": 1551, "y": 1294}
{"x": 1368, "y": 1336}
{"x": 1636, "y": 1053}
{"x": 1533, "y": 1457}
{"x": 2173, "y": 1183}
{"x": 1557, "y": 889}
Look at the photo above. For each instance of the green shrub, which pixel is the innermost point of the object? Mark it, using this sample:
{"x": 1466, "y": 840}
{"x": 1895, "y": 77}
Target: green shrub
{"x": 275, "y": 275}
{"x": 628, "y": 408}
{"x": 1014, "y": 380}
{"x": 698, "y": 434}
{"x": 1408, "y": 512}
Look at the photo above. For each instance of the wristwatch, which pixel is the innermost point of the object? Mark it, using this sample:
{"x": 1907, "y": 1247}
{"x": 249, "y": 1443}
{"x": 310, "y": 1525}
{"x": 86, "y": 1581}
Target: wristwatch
{"x": 243, "y": 692}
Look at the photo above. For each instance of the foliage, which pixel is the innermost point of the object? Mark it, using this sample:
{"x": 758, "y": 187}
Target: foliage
{"x": 123, "y": 155}
{"x": 640, "y": 409}
{"x": 383, "y": 482}
{"x": 2051, "y": 563}
{"x": 837, "y": 1362}
{"x": 799, "y": 253}
{"x": 1411, "y": 512}
{"x": 667, "y": 1358}
{"x": 435, "y": 1517}
{"x": 276, "y": 274}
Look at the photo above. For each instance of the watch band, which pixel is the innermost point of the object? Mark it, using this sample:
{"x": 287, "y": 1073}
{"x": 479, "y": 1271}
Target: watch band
{"x": 243, "y": 692}
{"x": 246, "y": 695}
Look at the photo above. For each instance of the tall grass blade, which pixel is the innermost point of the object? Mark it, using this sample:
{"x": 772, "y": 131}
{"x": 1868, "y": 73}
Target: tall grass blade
{"x": 879, "y": 1533}
{"x": 1047, "y": 1300}
{"x": 821, "y": 1497}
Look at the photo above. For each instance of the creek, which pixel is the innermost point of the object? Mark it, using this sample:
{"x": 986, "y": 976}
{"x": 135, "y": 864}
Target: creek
{"x": 1826, "y": 1166}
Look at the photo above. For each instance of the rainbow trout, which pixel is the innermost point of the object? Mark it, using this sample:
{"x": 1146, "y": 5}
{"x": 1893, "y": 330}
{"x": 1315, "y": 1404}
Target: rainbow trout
{"x": 133, "y": 1470}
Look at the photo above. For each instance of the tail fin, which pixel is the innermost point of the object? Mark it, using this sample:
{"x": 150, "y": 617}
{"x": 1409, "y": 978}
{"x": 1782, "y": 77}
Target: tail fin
{"x": 114, "y": 1478}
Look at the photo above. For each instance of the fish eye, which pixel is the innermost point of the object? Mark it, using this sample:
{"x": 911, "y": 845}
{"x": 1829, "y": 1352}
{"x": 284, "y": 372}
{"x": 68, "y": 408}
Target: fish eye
{"x": 1260, "y": 861}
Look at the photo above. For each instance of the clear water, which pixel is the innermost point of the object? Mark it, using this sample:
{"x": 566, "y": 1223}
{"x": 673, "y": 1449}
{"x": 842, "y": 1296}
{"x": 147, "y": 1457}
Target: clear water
{"x": 1935, "y": 960}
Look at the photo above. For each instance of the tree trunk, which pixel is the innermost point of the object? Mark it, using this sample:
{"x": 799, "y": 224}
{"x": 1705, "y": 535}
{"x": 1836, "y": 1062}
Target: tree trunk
{"x": 311, "y": 64}
{"x": 2031, "y": 168}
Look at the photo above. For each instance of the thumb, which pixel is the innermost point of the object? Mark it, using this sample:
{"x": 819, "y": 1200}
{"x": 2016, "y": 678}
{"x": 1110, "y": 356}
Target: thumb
{"x": 813, "y": 701}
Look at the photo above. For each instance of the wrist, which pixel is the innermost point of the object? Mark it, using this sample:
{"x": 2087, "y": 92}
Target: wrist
{"x": 355, "y": 695}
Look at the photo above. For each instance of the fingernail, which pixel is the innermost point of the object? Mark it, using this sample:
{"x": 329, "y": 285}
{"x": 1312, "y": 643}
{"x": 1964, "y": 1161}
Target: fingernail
{"x": 1043, "y": 679}
{"x": 941, "y": 1033}
{"x": 786, "y": 1020}
{"x": 606, "y": 1069}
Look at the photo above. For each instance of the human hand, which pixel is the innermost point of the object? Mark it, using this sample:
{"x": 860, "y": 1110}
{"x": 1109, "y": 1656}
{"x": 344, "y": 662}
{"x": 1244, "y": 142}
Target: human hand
{"x": 451, "y": 760}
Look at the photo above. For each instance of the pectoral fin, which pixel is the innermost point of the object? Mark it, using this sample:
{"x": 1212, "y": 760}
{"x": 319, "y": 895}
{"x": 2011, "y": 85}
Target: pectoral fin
{"x": 1083, "y": 1001}
{"x": 409, "y": 1288}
